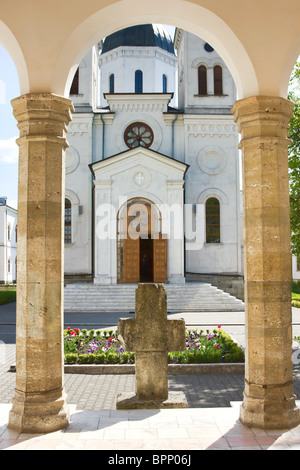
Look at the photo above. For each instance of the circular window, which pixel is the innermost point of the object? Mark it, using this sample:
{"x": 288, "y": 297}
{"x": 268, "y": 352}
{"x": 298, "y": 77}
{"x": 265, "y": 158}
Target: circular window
{"x": 208, "y": 47}
{"x": 138, "y": 134}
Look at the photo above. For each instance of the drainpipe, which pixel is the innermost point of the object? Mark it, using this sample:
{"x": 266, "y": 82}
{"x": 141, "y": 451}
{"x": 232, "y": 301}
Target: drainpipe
{"x": 6, "y": 249}
{"x": 103, "y": 135}
{"x": 173, "y": 135}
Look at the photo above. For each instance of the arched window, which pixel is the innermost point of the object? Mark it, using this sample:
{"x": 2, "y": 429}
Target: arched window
{"x": 212, "y": 213}
{"x": 202, "y": 80}
{"x": 164, "y": 83}
{"x": 8, "y": 232}
{"x": 75, "y": 84}
{"x": 112, "y": 83}
{"x": 9, "y": 265}
{"x": 138, "y": 81}
{"x": 68, "y": 221}
{"x": 218, "y": 80}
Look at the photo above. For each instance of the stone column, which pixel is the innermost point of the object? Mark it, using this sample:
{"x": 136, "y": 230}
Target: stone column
{"x": 269, "y": 400}
{"x": 39, "y": 402}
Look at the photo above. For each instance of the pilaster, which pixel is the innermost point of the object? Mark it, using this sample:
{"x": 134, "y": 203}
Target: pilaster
{"x": 269, "y": 400}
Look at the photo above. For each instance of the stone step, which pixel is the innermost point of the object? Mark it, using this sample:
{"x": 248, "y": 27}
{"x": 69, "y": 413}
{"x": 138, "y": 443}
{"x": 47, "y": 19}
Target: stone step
{"x": 121, "y": 298}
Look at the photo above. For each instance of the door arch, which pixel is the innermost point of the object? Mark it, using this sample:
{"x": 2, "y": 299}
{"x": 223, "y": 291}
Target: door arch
{"x": 141, "y": 246}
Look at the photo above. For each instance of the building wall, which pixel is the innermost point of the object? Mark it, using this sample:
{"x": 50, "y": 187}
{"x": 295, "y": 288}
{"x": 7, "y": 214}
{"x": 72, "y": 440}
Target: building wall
{"x": 201, "y": 134}
{"x": 124, "y": 61}
{"x": 296, "y": 268}
{"x": 8, "y": 244}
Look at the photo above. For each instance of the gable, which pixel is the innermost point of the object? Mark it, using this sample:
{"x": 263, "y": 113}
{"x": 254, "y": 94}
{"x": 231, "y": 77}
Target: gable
{"x": 138, "y": 158}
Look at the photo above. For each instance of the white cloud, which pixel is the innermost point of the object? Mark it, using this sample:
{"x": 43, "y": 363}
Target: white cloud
{"x": 9, "y": 151}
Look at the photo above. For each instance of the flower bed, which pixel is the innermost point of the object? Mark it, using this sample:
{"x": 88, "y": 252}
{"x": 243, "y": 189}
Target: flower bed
{"x": 103, "y": 347}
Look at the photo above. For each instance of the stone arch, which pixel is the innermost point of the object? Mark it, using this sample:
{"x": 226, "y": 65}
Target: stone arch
{"x": 212, "y": 192}
{"x": 184, "y": 15}
{"x": 8, "y": 40}
{"x": 73, "y": 197}
{"x": 288, "y": 66}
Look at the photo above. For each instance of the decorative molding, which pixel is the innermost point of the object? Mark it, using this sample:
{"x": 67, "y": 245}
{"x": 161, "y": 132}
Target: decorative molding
{"x": 72, "y": 160}
{"x": 73, "y": 197}
{"x": 140, "y": 178}
{"x": 79, "y": 128}
{"x": 212, "y": 160}
{"x": 212, "y": 192}
{"x": 211, "y": 129}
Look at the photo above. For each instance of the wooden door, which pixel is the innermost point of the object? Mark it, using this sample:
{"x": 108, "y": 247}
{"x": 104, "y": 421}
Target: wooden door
{"x": 160, "y": 257}
{"x": 131, "y": 260}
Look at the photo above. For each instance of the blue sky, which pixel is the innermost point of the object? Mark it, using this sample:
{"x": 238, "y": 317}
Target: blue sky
{"x": 9, "y": 89}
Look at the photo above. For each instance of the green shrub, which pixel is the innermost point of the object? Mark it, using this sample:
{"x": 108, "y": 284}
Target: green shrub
{"x": 296, "y": 303}
{"x": 100, "y": 358}
{"x": 71, "y": 358}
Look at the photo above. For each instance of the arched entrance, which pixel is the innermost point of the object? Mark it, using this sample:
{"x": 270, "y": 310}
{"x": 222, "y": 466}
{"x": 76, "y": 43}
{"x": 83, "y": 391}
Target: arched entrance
{"x": 141, "y": 248}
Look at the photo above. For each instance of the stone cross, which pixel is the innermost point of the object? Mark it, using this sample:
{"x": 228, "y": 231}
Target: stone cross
{"x": 151, "y": 335}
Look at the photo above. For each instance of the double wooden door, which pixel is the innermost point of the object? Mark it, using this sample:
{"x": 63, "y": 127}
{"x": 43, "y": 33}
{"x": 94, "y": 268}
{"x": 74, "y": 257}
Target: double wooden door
{"x": 144, "y": 260}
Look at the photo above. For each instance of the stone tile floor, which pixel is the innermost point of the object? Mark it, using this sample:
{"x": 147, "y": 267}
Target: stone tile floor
{"x": 152, "y": 430}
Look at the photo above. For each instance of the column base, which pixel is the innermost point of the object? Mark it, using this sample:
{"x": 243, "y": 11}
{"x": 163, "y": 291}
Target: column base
{"x": 128, "y": 401}
{"x": 259, "y": 413}
{"x": 38, "y": 413}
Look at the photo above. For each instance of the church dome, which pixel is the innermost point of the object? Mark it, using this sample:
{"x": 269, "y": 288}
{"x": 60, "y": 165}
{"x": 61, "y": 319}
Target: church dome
{"x": 147, "y": 35}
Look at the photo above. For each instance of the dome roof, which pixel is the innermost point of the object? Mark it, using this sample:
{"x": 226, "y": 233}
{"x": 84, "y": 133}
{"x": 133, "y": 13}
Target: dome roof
{"x": 147, "y": 35}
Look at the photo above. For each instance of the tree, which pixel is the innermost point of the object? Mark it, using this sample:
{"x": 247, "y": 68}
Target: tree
{"x": 294, "y": 160}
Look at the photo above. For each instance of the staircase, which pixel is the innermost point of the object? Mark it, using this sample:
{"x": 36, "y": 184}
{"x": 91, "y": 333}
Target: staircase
{"x": 189, "y": 297}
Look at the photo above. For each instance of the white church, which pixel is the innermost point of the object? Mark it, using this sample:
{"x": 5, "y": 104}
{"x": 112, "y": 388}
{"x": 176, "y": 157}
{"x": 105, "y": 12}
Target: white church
{"x": 153, "y": 190}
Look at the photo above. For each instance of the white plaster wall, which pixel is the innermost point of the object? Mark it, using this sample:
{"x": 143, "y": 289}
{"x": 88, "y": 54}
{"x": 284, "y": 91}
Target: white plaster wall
{"x": 126, "y": 113}
{"x": 296, "y": 274}
{"x": 88, "y": 81}
{"x": 8, "y": 248}
{"x": 211, "y": 152}
{"x": 115, "y": 182}
{"x": 78, "y": 254}
{"x": 124, "y": 61}
{"x": 191, "y": 54}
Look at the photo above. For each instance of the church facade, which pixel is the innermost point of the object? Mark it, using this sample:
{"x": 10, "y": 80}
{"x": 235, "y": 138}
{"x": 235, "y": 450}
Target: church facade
{"x": 152, "y": 169}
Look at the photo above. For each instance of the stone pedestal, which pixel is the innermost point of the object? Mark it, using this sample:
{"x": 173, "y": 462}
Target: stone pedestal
{"x": 151, "y": 335}
{"x": 39, "y": 402}
{"x": 269, "y": 400}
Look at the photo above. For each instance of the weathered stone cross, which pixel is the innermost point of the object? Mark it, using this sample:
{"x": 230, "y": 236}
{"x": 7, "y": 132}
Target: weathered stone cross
{"x": 151, "y": 335}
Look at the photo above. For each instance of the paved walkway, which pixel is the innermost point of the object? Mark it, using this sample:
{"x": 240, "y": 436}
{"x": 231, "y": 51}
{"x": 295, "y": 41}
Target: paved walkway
{"x": 210, "y": 421}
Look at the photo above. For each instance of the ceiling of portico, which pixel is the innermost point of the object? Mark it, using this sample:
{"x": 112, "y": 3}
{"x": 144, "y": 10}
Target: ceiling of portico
{"x": 258, "y": 40}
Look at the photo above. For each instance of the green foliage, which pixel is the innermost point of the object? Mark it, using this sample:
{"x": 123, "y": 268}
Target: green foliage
{"x": 7, "y": 295}
{"x": 103, "y": 347}
{"x": 294, "y": 161}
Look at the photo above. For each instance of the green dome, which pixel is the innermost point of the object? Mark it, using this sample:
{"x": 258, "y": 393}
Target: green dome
{"x": 147, "y": 35}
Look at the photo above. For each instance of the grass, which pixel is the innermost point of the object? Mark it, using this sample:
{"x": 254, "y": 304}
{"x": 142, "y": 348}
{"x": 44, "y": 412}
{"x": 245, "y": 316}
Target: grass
{"x": 103, "y": 347}
{"x": 7, "y": 295}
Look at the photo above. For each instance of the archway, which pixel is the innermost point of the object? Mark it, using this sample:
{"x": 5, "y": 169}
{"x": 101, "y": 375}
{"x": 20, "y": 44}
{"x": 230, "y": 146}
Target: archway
{"x": 114, "y": 17}
{"x": 258, "y": 132}
{"x": 141, "y": 248}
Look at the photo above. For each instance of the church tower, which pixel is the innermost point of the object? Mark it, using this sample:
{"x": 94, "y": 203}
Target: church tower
{"x": 140, "y": 59}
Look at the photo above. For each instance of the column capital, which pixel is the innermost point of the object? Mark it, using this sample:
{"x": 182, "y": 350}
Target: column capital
{"x": 266, "y": 116}
{"x": 42, "y": 114}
